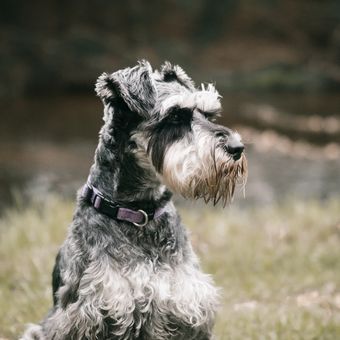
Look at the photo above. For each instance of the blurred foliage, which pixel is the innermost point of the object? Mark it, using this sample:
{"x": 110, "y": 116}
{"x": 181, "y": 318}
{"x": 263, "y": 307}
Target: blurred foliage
{"x": 64, "y": 45}
{"x": 278, "y": 266}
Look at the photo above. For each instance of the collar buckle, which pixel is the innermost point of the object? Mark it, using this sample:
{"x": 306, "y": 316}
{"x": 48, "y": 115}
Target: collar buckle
{"x": 146, "y": 219}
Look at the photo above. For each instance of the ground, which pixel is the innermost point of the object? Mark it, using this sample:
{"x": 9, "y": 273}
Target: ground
{"x": 278, "y": 266}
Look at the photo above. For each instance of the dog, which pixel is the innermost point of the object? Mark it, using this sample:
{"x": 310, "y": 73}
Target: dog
{"x": 127, "y": 269}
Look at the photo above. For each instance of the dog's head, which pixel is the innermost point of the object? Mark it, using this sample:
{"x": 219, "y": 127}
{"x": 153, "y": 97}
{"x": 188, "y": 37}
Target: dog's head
{"x": 175, "y": 134}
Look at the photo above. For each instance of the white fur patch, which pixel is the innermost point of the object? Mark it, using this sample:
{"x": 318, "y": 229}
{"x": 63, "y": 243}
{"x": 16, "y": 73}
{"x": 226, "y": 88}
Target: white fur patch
{"x": 33, "y": 332}
{"x": 182, "y": 291}
{"x": 196, "y": 167}
{"x": 206, "y": 100}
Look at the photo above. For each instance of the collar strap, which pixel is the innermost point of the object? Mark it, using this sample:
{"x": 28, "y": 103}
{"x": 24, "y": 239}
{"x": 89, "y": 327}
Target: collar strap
{"x": 139, "y": 218}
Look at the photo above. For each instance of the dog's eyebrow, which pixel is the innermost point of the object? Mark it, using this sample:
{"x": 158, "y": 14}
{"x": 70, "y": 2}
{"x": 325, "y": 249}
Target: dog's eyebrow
{"x": 180, "y": 102}
{"x": 178, "y": 108}
{"x": 208, "y": 100}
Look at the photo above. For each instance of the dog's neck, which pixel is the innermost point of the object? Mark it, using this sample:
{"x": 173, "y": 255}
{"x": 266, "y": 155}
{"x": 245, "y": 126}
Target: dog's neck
{"x": 116, "y": 172}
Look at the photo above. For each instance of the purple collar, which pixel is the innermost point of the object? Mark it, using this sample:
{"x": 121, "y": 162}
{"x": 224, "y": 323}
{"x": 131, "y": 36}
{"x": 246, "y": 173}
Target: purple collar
{"x": 139, "y": 218}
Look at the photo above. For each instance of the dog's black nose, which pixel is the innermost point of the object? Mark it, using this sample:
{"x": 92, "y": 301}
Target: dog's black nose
{"x": 235, "y": 149}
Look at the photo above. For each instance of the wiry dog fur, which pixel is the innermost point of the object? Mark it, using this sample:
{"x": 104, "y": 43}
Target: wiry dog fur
{"x": 112, "y": 279}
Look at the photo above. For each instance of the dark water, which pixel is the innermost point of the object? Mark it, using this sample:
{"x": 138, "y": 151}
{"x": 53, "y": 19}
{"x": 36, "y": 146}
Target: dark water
{"x": 47, "y": 144}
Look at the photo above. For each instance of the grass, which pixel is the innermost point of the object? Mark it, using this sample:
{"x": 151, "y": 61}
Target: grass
{"x": 278, "y": 266}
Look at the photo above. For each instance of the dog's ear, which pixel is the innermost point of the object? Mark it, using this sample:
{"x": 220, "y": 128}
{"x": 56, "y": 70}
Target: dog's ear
{"x": 176, "y": 73}
{"x": 134, "y": 86}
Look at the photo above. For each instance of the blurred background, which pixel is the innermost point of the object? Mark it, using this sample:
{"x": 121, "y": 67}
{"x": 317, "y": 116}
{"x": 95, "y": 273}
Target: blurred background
{"x": 276, "y": 252}
{"x": 276, "y": 64}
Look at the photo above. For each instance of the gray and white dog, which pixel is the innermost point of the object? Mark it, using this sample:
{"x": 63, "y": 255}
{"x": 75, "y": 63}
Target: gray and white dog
{"x": 127, "y": 269}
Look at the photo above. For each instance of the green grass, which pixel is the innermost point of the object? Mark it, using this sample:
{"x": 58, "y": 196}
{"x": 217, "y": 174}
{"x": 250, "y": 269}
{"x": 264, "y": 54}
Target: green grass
{"x": 278, "y": 266}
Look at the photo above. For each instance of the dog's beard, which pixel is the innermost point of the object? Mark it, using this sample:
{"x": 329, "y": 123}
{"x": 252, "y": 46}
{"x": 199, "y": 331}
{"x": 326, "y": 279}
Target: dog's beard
{"x": 203, "y": 171}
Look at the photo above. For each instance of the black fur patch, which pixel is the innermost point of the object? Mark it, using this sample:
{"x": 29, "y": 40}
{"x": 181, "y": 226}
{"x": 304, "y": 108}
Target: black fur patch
{"x": 172, "y": 128}
{"x": 69, "y": 296}
{"x": 56, "y": 279}
{"x": 170, "y": 76}
{"x": 176, "y": 73}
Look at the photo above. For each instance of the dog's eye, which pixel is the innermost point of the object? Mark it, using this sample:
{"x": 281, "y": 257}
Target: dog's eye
{"x": 206, "y": 114}
{"x": 178, "y": 115}
{"x": 175, "y": 117}
{"x": 209, "y": 115}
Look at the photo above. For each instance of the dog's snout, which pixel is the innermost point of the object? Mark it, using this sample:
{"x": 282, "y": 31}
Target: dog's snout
{"x": 235, "y": 149}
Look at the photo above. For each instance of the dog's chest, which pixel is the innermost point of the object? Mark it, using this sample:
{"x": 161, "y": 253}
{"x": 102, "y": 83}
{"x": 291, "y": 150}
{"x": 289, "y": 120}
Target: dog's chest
{"x": 170, "y": 289}
{"x": 145, "y": 297}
